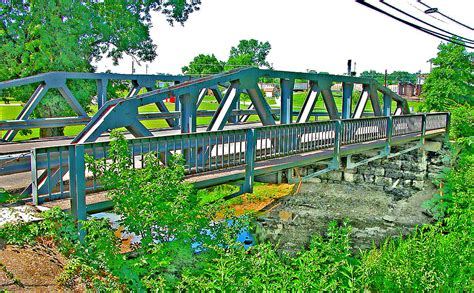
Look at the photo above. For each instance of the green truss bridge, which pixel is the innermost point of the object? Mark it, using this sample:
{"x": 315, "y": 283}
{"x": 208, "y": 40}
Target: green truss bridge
{"x": 228, "y": 149}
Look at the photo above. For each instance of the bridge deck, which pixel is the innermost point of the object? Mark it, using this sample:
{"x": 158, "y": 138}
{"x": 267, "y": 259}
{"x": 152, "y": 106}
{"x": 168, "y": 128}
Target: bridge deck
{"x": 99, "y": 200}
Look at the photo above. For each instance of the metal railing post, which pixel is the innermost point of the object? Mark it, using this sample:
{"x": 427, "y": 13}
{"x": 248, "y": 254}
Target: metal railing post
{"x": 423, "y": 129}
{"x": 448, "y": 124}
{"x": 72, "y": 180}
{"x": 34, "y": 178}
{"x": 80, "y": 193}
{"x": 388, "y": 141}
{"x": 81, "y": 188}
{"x": 336, "y": 158}
{"x": 249, "y": 161}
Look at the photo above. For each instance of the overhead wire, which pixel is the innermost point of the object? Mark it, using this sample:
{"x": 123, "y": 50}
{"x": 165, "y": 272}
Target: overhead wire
{"x": 427, "y": 23}
{"x": 425, "y": 30}
{"x": 430, "y": 14}
{"x": 452, "y": 19}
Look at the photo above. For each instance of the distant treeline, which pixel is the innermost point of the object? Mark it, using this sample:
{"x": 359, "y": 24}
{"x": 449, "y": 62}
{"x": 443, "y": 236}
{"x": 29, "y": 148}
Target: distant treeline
{"x": 392, "y": 78}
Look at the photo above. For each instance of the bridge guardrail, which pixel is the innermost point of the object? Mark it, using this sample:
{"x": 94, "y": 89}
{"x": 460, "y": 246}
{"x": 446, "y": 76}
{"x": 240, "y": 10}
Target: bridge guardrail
{"x": 218, "y": 150}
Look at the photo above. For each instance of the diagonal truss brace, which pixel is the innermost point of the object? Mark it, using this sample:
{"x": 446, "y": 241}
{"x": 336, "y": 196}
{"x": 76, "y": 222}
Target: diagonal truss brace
{"x": 309, "y": 103}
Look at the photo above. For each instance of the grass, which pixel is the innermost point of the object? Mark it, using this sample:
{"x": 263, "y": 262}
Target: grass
{"x": 209, "y": 103}
{"x": 263, "y": 194}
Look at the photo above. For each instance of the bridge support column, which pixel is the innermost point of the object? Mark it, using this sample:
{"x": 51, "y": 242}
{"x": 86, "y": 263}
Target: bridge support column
{"x": 188, "y": 122}
{"x": 177, "y": 108}
{"x": 188, "y": 113}
{"x": 101, "y": 92}
{"x": 347, "y": 89}
{"x": 387, "y": 105}
{"x": 286, "y": 108}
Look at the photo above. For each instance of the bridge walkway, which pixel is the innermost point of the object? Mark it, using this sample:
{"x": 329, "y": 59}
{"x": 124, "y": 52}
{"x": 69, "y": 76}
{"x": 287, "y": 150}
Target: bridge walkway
{"x": 218, "y": 157}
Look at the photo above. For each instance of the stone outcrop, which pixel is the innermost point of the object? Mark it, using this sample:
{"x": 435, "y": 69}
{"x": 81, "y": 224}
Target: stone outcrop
{"x": 380, "y": 199}
{"x": 400, "y": 176}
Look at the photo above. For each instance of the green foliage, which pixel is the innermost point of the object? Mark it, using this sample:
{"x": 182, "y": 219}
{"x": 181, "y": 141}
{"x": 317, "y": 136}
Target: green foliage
{"x": 42, "y": 36}
{"x": 238, "y": 61}
{"x": 252, "y": 53}
{"x": 430, "y": 260}
{"x": 150, "y": 196}
{"x": 392, "y": 78}
{"x": 450, "y": 84}
{"x": 462, "y": 122}
{"x": 436, "y": 257}
{"x": 204, "y": 64}
{"x": 55, "y": 225}
{"x": 326, "y": 265}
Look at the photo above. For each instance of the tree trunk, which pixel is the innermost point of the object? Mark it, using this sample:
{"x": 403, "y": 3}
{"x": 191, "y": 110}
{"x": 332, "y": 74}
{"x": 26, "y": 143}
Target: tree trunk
{"x": 49, "y": 132}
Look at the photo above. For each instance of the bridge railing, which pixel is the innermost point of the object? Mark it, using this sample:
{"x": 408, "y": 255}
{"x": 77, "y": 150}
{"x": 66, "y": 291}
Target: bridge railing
{"x": 364, "y": 129}
{"x": 288, "y": 139}
{"x": 61, "y": 172}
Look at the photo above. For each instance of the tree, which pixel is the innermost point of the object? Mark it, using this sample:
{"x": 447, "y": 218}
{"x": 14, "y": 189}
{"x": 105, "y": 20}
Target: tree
{"x": 450, "y": 83}
{"x": 379, "y": 77}
{"x": 401, "y": 76}
{"x": 258, "y": 52}
{"x": 40, "y": 36}
{"x": 239, "y": 61}
{"x": 204, "y": 64}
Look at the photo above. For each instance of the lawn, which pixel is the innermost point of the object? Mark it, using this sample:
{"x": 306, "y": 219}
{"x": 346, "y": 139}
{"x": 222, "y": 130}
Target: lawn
{"x": 10, "y": 112}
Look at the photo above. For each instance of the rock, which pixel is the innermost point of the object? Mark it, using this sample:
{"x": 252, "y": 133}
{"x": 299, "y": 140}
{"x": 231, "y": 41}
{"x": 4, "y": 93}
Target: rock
{"x": 369, "y": 171}
{"x": 398, "y": 193}
{"x": 406, "y": 183}
{"x": 314, "y": 180}
{"x": 354, "y": 178}
{"x": 419, "y": 176}
{"x": 383, "y": 181}
{"x": 379, "y": 171}
{"x": 418, "y": 184}
{"x": 350, "y": 171}
{"x": 393, "y": 173}
{"x": 409, "y": 175}
{"x": 389, "y": 218}
{"x": 335, "y": 175}
{"x": 285, "y": 216}
{"x": 433, "y": 146}
{"x": 369, "y": 178}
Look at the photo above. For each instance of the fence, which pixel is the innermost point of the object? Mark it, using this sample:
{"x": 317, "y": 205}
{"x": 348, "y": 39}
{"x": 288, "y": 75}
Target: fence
{"x": 56, "y": 171}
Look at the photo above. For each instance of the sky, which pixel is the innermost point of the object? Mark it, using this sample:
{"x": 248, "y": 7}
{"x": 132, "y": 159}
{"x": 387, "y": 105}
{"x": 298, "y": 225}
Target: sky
{"x": 305, "y": 35}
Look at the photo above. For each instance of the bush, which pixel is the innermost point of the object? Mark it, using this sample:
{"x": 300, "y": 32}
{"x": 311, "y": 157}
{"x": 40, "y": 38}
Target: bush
{"x": 462, "y": 122}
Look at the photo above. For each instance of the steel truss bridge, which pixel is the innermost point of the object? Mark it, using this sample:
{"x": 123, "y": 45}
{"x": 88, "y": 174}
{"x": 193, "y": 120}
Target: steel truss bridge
{"x": 229, "y": 148}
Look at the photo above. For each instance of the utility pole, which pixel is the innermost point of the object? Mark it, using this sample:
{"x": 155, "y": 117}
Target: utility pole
{"x": 133, "y": 67}
{"x": 146, "y": 68}
{"x": 385, "y": 78}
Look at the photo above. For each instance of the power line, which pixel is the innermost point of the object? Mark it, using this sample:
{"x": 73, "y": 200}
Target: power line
{"x": 429, "y": 14}
{"x": 427, "y": 23}
{"x": 452, "y": 19}
{"x": 425, "y": 30}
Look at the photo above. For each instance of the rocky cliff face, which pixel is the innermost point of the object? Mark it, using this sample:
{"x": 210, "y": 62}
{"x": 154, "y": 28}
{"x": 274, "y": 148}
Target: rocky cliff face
{"x": 380, "y": 199}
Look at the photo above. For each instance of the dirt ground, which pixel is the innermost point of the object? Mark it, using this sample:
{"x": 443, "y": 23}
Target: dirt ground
{"x": 30, "y": 269}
